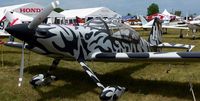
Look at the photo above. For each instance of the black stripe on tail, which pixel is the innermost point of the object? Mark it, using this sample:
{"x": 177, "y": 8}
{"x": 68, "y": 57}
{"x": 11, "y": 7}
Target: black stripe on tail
{"x": 155, "y": 37}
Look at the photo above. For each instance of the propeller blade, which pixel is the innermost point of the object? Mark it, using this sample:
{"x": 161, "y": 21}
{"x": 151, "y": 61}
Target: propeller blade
{"x": 22, "y": 66}
{"x": 43, "y": 15}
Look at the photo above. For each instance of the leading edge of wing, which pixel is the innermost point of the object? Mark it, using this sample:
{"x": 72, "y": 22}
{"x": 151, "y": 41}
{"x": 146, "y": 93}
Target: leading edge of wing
{"x": 149, "y": 56}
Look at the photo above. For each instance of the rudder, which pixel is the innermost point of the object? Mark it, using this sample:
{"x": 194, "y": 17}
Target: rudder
{"x": 155, "y": 37}
{"x": 144, "y": 21}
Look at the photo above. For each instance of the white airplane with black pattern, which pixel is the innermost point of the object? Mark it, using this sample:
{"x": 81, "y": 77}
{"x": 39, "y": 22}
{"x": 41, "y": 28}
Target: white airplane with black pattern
{"x": 96, "y": 40}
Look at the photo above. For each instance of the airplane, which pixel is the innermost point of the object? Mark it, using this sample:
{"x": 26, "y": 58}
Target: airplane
{"x": 94, "y": 41}
{"x": 194, "y": 26}
{"x": 148, "y": 25}
{"x": 189, "y": 25}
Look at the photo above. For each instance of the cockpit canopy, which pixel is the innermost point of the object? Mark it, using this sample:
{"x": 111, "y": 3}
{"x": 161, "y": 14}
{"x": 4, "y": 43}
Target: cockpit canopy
{"x": 114, "y": 29}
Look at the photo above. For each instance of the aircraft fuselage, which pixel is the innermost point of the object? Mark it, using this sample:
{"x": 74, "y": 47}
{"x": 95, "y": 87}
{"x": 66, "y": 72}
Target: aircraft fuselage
{"x": 81, "y": 42}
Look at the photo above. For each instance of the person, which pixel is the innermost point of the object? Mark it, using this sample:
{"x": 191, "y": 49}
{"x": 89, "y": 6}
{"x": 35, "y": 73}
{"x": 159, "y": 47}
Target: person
{"x": 78, "y": 20}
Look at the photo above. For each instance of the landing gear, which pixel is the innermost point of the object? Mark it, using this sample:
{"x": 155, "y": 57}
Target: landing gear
{"x": 108, "y": 93}
{"x": 42, "y": 80}
{"x": 193, "y": 34}
{"x": 45, "y": 79}
{"x": 181, "y": 34}
{"x": 193, "y": 37}
{"x": 112, "y": 93}
{"x": 165, "y": 31}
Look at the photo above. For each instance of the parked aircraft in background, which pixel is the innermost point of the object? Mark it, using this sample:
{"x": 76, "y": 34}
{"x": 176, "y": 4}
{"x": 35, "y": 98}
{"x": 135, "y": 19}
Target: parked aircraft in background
{"x": 147, "y": 25}
{"x": 96, "y": 41}
{"x": 189, "y": 25}
{"x": 194, "y": 26}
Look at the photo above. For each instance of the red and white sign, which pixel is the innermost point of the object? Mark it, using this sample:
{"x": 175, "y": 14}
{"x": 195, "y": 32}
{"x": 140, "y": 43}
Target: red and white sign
{"x": 30, "y": 10}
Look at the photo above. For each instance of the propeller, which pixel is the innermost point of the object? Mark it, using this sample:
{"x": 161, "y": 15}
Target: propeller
{"x": 33, "y": 25}
{"x": 43, "y": 15}
{"x": 22, "y": 66}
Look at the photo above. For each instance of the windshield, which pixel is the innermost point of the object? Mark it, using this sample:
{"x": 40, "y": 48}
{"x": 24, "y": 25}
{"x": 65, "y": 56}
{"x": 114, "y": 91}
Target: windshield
{"x": 114, "y": 28}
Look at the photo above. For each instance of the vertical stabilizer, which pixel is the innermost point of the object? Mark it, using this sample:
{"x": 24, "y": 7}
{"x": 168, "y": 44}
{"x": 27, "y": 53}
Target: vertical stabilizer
{"x": 145, "y": 23}
{"x": 143, "y": 20}
{"x": 155, "y": 36}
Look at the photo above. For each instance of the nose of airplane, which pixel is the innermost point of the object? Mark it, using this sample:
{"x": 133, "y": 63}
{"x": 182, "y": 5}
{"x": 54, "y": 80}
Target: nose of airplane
{"x": 11, "y": 30}
{"x": 20, "y": 31}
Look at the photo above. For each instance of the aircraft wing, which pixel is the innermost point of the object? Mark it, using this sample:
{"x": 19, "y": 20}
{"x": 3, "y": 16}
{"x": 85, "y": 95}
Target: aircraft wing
{"x": 149, "y": 56}
{"x": 175, "y": 27}
{"x": 164, "y": 26}
{"x": 135, "y": 26}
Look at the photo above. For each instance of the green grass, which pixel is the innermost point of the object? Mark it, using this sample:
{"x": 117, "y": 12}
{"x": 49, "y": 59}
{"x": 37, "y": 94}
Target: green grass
{"x": 145, "y": 81}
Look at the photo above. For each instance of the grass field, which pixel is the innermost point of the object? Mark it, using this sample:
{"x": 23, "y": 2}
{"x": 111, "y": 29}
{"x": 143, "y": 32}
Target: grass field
{"x": 145, "y": 81}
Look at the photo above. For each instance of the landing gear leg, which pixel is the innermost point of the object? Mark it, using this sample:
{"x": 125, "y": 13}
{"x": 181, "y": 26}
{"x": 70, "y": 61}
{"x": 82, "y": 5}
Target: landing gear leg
{"x": 181, "y": 34}
{"x": 166, "y": 31}
{"x": 193, "y": 34}
{"x": 46, "y": 78}
{"x": 108, "y": 93}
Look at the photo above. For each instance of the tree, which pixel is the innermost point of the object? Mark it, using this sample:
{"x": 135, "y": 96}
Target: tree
{"x": 178, "y": 13}
{"x": 129, "y": 14}
{"x": 152, "y": 9}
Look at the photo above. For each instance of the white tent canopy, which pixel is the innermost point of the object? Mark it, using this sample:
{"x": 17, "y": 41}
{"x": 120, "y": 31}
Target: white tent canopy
{"x": 90, "y": 12}
{"x": 165, "y": 12}
{"x": 22, "y": 17}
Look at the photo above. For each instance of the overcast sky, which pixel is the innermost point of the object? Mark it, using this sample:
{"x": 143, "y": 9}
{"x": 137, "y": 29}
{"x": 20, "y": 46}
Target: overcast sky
{"x": 121, "y": 6}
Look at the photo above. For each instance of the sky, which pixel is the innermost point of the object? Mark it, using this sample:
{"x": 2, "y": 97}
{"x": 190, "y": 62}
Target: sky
{"x": 123, "y": 7}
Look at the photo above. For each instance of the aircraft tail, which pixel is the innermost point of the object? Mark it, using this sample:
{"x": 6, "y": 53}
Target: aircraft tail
{"x": 155, "y": 37}
{"x": 12, "y": 19}
{"x": 143, "y": 20}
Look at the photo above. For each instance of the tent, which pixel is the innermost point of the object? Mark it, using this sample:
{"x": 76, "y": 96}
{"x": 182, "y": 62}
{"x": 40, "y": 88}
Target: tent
{"x": 165, "y": 15}
{"x": 165, "y": 12}
{"x": 22, "y": 17}
{"x": 168, "y": 16}
{"x": 90, "y": 12}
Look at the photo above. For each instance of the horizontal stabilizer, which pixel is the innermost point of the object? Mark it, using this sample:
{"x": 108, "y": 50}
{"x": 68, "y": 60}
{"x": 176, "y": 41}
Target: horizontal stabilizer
{"x": 172, "y": 45}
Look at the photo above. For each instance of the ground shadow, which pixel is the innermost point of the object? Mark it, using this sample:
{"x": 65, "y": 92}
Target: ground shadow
{"x": 9, "y": 63}
{"x": 120, "y": 77}
{"x": 14, "y": 52}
